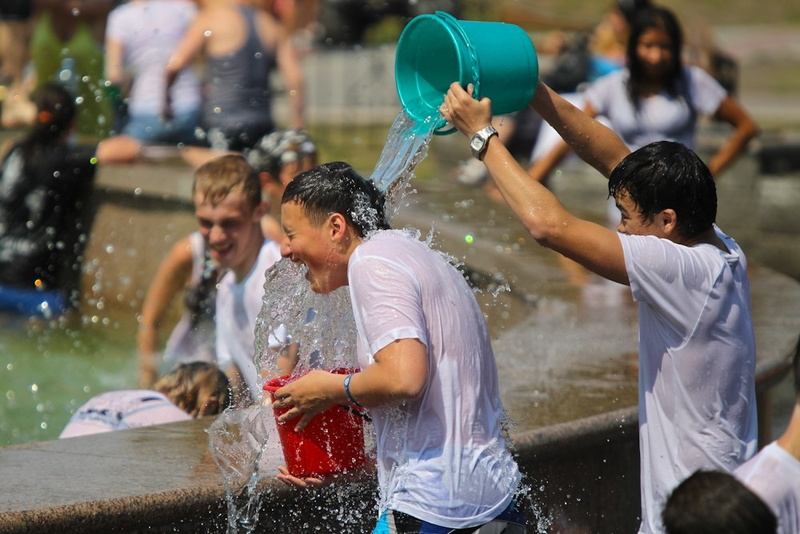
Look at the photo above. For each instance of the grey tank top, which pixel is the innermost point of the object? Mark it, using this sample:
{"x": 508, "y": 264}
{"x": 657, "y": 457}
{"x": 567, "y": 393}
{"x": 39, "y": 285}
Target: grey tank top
{"x": 238, "y": 83}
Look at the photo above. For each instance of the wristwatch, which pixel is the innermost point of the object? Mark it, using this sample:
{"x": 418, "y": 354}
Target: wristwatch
{"x": 480, "y": 141}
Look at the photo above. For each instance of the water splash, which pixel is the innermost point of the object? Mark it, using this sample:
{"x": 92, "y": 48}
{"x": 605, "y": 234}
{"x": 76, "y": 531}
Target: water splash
{"x": 321, "y": 334}
{"x": 406, "y": 146}
{"x": 321, "y": 327}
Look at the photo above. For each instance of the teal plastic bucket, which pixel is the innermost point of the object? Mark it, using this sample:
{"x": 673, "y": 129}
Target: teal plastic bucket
{"x": 499, "y": 59}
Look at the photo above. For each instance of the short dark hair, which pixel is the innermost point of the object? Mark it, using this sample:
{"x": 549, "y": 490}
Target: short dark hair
{"x": 667, "y": 175}
{"x": 713, "y": 502}
{"x": 337, "y": 188}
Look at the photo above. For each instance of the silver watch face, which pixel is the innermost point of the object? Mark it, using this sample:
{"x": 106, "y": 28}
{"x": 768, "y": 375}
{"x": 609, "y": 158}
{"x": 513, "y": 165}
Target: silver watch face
{"x": 476, "y": 143}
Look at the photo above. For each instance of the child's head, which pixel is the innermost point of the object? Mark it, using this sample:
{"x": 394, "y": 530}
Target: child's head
{"x": 216, "y": 179}
{"x": 198, "y": 388}
{"x": 227, "y": 204}
{"x": 55, "y": 112}
{"x": 667, "y": 175}
{"x": 713, "y": 502}
{"x": 280, "y": 156}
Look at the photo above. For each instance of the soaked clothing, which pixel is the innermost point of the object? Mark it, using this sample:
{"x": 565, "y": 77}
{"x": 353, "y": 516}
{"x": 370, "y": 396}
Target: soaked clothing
{"x": 193, "y": 338}
{"x": 659, "y": 117}
{"x": 697, "y": 401}
{"x": 774, "y": 475}
{"x": 441, "y": 458}
{"x": 120, "y": 410}
{"x": 44, "y": 217}
{"x": 238, "y": 306}
{"x": 238, "y": 108}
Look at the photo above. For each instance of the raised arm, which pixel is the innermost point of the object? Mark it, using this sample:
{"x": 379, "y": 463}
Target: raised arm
{"x": 593, "y": 142}
{"x": 595, "y": 247}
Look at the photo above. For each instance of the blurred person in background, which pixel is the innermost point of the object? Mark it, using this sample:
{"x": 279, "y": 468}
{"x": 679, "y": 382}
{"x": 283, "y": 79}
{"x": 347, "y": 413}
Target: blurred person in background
{"x": 188, "y": 391}
{"x": 140, "y": 37}
{"x": 240, "y": 45}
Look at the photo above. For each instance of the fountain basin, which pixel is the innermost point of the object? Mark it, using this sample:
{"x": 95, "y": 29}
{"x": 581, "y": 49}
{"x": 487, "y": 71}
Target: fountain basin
{"x": 579, "y": 455}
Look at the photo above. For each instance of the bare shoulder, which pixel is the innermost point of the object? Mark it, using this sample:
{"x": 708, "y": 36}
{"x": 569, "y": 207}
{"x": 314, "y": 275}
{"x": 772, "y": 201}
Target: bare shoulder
{"x": 270, "y": 29}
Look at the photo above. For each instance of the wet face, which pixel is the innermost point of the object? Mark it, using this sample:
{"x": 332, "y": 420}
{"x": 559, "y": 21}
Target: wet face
{"x": 314, "y": 247}
{"x": 231, "y": 230}
{"x": 631, "y": 221}
{"x": 654, "y": 52}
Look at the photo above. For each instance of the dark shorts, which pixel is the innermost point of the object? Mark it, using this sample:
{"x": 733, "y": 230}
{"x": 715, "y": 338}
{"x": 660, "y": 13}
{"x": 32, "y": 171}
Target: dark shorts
{"x": 16, "y": 9}
{"x": 237, "y": 137}
{"x": 510, "y": 521}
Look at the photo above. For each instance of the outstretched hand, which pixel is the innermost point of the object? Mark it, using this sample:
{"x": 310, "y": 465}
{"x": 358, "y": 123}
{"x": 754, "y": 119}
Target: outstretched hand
{"x": 465, "y": 112}
{"x": 304, "y": 483}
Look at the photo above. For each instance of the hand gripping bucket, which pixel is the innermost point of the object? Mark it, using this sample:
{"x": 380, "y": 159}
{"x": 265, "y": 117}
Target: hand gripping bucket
{"x": 498, "y": 59}
{"x": 332, "y": 442}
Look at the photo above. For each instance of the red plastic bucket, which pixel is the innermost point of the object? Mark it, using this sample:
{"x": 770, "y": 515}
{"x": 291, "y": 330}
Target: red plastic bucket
{"x": 332, "y": 442}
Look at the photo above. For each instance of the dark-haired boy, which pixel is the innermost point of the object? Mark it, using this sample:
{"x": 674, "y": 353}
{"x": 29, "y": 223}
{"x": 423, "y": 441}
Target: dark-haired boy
{"x": 697, "y": 403}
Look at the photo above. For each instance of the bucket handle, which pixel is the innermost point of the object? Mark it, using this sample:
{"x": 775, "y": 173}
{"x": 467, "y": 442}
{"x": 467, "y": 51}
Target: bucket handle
{"x": 452, "y": 22}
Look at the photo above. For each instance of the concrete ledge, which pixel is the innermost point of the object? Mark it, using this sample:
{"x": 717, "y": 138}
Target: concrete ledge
{"x": 162, "y": 479}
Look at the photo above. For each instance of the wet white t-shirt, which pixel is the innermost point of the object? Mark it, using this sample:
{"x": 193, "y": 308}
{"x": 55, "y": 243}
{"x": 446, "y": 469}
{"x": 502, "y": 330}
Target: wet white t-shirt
{"x": 441, "y": 458}
{"x": 697, "y": 401}
{"x": 238, "y": 306}
{"x": 660, "y": 117}
{"x": 774, "y": 475}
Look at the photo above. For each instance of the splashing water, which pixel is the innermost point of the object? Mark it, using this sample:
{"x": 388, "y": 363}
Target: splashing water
{"x": 406, "y": 146}
{"x": 321, "y": 328}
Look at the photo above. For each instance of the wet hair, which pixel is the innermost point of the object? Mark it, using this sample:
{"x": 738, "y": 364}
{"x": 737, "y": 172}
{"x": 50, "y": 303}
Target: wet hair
{"x": 55, "y": 114}
{"x": 218, "y": 178}
{"x": 198, "y": 388}
{"x": 675, "y": 83}
{"x": 337, "y": 188}
{"x": 278, "y": 148}
{"x": 667, "y": 175}
{"x": 713, "y": 502}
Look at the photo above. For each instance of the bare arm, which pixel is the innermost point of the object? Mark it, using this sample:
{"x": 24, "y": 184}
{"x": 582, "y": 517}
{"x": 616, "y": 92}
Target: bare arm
{"x": 399, "y": 374}
{"x": 745, "y": 129}
{"x": 187, "y": 50}
{"x": 289, "y": 65}
{"x": 171, "y": 277}
{"x": 115, "y": 72}
{"x": 541, "y": 169}
{"x": 592, "y": 141}
{"x": 595, "y": 247}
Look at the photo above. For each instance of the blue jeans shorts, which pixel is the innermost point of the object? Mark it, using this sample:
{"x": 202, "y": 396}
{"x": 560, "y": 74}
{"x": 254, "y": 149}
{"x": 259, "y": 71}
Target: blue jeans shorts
{"x": 152, "y": 129}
